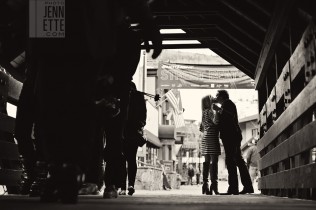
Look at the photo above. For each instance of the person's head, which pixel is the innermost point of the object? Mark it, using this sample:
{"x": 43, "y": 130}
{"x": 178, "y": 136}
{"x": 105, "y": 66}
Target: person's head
{"x": 190, "y": 166}
{"x": 221, "y": 96}
{"x": 207, "y": 102}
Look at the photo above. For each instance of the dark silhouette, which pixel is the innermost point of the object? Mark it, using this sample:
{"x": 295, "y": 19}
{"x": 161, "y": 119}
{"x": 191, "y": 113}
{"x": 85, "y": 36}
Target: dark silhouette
{"x": 231, "y": 137}
{"x": 97, "y": 37}
{"x": 190, "y": 174}
{"x": 137, "y": 114}
{"x": 210, "y": 147}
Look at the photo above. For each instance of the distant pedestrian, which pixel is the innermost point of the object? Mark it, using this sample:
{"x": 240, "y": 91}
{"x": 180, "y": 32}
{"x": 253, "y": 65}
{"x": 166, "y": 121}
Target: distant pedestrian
{"x": 198, "y": 174}
{"x": 252, "y": 157}
{"x": 190, "y": 174}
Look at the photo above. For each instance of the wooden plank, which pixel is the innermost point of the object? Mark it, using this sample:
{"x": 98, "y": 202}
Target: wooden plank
{"x": 272, "y": 38}
{"x": 276, "y": 155}
{"x": 10, "y": 177}
{"x": 299, "y": 142}
{"x": 14, "y": 90}
{"x": 7, "y": 123}
{"x": 3, "y": 83}
{"x": 298, "y": 58}
{"x": 271, "y": 103}
{"x": 292, "y": 113}
{"x": 279, "y": 88}
{"x": 9, "y": 151}
{"x": 303, "y": 140}
{"x": 301, "y": 177}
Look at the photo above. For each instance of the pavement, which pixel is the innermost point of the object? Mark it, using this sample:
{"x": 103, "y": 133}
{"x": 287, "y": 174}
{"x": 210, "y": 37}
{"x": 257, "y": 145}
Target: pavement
{"x": 188, "y": 198}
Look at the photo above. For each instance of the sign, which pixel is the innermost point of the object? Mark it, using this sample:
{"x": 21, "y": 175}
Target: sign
{"x": 171, "y": 75}
{"x": 47, "y": 18}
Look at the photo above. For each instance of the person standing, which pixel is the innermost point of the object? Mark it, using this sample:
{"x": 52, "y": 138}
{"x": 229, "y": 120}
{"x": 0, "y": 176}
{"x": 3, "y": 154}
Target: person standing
{"x": 210, "y": 145}
{"x": 231, "y": 137}
{"x": 190, "y": 174}
{"x": 198, "y": 174}
{"x": 137, "y": 114}
{"x": 251, "y": 158}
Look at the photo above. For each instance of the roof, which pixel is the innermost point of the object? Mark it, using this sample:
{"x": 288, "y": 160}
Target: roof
{"x": 248, "y": 118}
{"x": 246, "y": 33}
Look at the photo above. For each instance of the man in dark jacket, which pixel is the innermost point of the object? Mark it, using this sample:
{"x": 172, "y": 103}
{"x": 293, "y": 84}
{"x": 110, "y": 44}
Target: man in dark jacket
{"x": 231, "y": 137}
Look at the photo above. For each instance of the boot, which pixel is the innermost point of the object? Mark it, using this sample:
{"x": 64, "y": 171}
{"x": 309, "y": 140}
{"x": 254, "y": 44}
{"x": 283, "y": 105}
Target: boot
{"x": 206, "y": 168}
{"x": 62, "y": 183}
{"x": 28, "y": 175}
{"x": 214, "y": 178}
{"x": 41, "y": 173}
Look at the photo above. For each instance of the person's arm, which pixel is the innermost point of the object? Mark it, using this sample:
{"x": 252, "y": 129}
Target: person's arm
{"x": 140, "y": 10}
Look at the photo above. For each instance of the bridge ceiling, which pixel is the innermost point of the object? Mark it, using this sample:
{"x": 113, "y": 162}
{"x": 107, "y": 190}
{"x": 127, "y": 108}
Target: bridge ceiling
{"x": 234, "y": 29}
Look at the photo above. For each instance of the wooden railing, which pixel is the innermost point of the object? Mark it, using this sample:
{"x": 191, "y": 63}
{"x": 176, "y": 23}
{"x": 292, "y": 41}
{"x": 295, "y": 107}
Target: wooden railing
{"x": 10, "y": 170}
{"x": 287, "y": 120}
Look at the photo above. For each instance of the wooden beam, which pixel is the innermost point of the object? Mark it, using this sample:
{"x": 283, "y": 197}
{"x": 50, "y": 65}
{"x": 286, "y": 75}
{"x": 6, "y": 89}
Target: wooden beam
{"x": 7, "y": 123}
{"x": 243, "y": 15}
{"x": 187, "y": 26}
{"x": 237, "y": 26}
{"x": 238, "y": 53}
{"x": 272, "y": 38}
{"x": 184, "y": 46}
{"x": 259, "y": 7}
{"x": 291, "y": 114}
{"x": 185, "y": 13}
{"x": 186, "y": 36}
{"x": 234, "y": 61}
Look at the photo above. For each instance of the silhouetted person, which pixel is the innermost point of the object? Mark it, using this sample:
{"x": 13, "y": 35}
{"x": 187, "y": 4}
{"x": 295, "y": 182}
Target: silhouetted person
{"x": 231, "y": 137}
{"x": 68, "y": 69}
{"x": 210, "y": 147}
{"x": 137, "y": 114}
{"x": 190, "y": 174}
{"x": 116, "y": 77}
{"x": 252, "y": 157}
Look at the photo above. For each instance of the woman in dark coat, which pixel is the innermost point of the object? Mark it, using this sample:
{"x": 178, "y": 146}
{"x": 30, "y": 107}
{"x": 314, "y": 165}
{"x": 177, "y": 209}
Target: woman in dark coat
{"x": 137, "y": 114}
{"x": 210, "y": 147}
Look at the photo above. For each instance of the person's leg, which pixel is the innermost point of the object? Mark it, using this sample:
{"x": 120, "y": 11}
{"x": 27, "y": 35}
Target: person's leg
{"x": 214, "y": 174}
{"x": 65, "y": 124}
{"x": 231, "y": 168}
{"x": 206, "y": 169}
{"x": 244, "y": 173}
{"x": 132, "y": 167}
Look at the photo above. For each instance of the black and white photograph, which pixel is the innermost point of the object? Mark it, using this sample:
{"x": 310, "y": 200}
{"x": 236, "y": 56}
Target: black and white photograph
{"x": 157, "y": 104}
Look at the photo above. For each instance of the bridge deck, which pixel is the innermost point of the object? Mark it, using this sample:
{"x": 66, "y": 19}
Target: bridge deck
{"x": 187, "y": 198}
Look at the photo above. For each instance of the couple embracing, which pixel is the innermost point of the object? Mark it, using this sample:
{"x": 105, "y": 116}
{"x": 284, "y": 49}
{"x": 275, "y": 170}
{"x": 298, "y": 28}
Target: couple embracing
{"x": 222, "y": 122}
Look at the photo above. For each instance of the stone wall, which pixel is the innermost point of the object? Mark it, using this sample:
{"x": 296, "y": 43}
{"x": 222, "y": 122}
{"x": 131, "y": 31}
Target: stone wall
{"x": 150, "y": 178}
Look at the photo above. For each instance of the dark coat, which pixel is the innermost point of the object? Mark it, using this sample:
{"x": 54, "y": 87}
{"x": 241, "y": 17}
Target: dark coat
{"x": 137, "y": 113}
{"x": 228, "y": 123}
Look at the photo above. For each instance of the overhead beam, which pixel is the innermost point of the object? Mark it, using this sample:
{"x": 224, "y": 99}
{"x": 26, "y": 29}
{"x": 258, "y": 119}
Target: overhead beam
{"x": 170, "y": 37}
{"x": 184, "y": 13}
{"x": 239, "y": 54}
{"x": 213, "y": 44}
{"x": 243, "y": 15}
{"x": 273, "y": 36}
{"x": 186, "y": 26}
{"x": 259, "y": 7}
{"x": 248, "y": 46}
{"x": 223, "y": 53}
{"x": 240, "y": 29}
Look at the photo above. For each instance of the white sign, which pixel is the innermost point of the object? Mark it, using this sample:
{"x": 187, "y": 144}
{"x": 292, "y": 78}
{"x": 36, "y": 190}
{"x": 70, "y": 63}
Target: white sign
{"x": 47, "y": 18}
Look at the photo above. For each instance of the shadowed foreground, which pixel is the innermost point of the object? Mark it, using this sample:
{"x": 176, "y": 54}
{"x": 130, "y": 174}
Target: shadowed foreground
{"x": 188, "y": 198}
